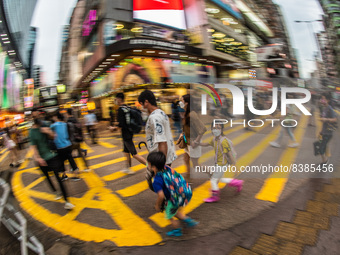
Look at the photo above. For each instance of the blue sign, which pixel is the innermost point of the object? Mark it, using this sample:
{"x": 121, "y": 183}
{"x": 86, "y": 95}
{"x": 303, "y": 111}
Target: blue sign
{"x": 229, "y": 6}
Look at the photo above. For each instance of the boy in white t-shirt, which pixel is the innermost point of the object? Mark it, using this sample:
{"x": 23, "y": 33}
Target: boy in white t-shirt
{"x": 158, "y": 132}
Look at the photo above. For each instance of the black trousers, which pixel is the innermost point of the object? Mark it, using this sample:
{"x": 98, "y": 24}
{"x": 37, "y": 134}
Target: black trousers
{"x": 66, "y": 154}
{"x": 56, "y": 165}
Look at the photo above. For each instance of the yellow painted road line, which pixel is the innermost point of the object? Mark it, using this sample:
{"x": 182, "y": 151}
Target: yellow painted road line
{"x": 130, "y": 225}
{"x": 28, "y": 156}
{"x": 84, "y": 146}
{"x": 136, "y": 168}
{"x": 111, "y": 162}
{"x": 36, "y": 182}
{"x": 273, "y": 186}
{"x": 106, "y": 145}
{"x": 142, "y": 186}
{"x": 103, "y": 155}
{"x": 3, "y": 151}
{"x": 202, "y": 192}
{"x": 4, "y": 156}
{"x": 237, "y": 140}
{"x": 338, "y": 112}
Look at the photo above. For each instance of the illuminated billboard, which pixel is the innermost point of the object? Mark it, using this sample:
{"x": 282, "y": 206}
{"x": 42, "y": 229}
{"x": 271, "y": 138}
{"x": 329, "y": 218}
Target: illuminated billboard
{"x": 164, "y": 12}
{"x": 89, "y": 22}
{"x": 29, "y": 95}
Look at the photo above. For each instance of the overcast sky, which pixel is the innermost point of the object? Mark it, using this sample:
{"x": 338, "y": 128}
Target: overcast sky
{"x": 51, "y": 15}
{"x": 300, "y": 36}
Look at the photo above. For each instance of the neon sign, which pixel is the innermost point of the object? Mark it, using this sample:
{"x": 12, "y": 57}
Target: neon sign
{"x": 89, "y": 22}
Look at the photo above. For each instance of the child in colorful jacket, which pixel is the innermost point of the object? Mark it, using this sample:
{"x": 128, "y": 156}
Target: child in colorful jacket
{"x": 171, "y": 187}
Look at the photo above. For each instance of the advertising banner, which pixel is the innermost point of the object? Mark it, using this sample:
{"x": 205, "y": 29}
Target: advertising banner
{"x": 269, "y": 53}
{"x": 164, "y": 12}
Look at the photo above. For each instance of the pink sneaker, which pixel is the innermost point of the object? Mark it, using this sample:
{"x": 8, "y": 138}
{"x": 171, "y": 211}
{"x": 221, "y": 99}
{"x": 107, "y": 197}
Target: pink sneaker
{"x": 237, "y": 184}
{"x": 215, "y": 197}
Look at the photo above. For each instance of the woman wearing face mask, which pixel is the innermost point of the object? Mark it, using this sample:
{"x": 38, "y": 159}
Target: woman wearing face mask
{"x": 193, "y": 134}
{"x": 223, "y": 156}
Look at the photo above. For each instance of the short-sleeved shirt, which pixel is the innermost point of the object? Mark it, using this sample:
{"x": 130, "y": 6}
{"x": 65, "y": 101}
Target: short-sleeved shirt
{"x": 158, "y": 184}
{"x": 62, "y": 139}
{"x": 126, "y": 133}
{"x": 90, "y": 119}
{"x": 327, "y": 112}
{"x": 158, "y": 130}
{"x": 41, "y": 141}
{"x": 219, "y": 159}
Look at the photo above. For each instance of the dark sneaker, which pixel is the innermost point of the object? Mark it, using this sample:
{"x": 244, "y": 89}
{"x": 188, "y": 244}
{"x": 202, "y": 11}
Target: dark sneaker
{"x": 64, "y": 178}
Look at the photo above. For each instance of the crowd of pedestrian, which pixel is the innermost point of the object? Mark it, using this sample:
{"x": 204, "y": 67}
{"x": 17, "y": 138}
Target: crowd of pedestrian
{"x": 54, "y": 138}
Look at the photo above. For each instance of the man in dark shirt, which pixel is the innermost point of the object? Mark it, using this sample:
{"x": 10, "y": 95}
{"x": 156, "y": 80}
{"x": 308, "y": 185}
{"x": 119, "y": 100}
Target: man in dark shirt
{"x": 127, "y": 135}
{"x": 329, "y": 124}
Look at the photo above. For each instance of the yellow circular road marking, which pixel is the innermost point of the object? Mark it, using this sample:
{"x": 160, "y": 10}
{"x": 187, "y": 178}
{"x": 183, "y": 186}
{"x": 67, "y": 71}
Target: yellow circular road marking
{"x": 133, "y": 230}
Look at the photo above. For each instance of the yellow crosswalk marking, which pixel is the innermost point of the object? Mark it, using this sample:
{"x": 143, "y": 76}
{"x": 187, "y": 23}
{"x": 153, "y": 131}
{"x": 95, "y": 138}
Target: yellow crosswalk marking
{"x": 202, "y": 192}
{"x": 130, "y": 225}
{"x": 103, "y": 155}
{"x": 28, "y": 156}
{"x": 136, "y": 168}
{"x": 106, "y": 145}
{"x": 4, "y": 156}
{"x": 273, "y": 186}
{"x": 142, "y": 186}
{"x": 111, "y": 162}
{"x": 84, "y": 146}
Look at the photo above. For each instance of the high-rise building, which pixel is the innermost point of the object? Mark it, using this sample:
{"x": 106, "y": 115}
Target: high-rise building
{"x": 15, "y": 20}
{"x": 18, "y": 15}
{"x": 330, "y": 40}
{"x": 31, "y": 49}
{"x": 124, "y": 44}
{"x": 37, "y": 76}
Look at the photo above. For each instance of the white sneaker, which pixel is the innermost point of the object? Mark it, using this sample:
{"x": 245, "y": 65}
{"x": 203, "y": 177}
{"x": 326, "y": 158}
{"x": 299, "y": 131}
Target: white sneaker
{"x": 87, "y": 170}
{"x": 68, "y": 206}
{"x": 57, "y": 196}
{"x": 127, "y": 171}
{"x": 293, "y": 145}
{"x": 275, "y": 144}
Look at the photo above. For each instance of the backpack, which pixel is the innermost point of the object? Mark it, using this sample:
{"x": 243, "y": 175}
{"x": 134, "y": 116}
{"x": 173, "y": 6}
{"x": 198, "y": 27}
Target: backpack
{"x": 133, "y": 119}
{"x": 75, "y": 132}
{"x": 78, "y": 132}
{"x": 180, "y": 190}
{"x": 232, "y": 149}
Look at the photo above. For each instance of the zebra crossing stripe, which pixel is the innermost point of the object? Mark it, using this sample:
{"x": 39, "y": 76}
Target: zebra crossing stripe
{"x": 106, "y": 145}
{"x": 4, "y": 156}
{"x": 203, "y": 191}
{"x": 274, "y": 185}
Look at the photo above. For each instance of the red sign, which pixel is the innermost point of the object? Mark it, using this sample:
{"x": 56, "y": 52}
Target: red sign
{"x": 163, "y": 12}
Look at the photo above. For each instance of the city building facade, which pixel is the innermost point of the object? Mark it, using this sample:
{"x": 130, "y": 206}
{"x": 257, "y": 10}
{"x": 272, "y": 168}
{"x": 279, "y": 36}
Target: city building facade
{"x": 330, "y": 40}
{"x": 119, "y": 45}
{"x": 15, "y": 52}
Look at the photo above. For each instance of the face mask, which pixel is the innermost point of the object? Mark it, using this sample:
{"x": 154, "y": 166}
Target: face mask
{"x": 323, "y": 101}
{"x": 181, "y": 104}
{"x": 216, "y": 132}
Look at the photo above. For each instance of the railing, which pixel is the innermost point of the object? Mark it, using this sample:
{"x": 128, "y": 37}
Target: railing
{"x": 17, "y": 225}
